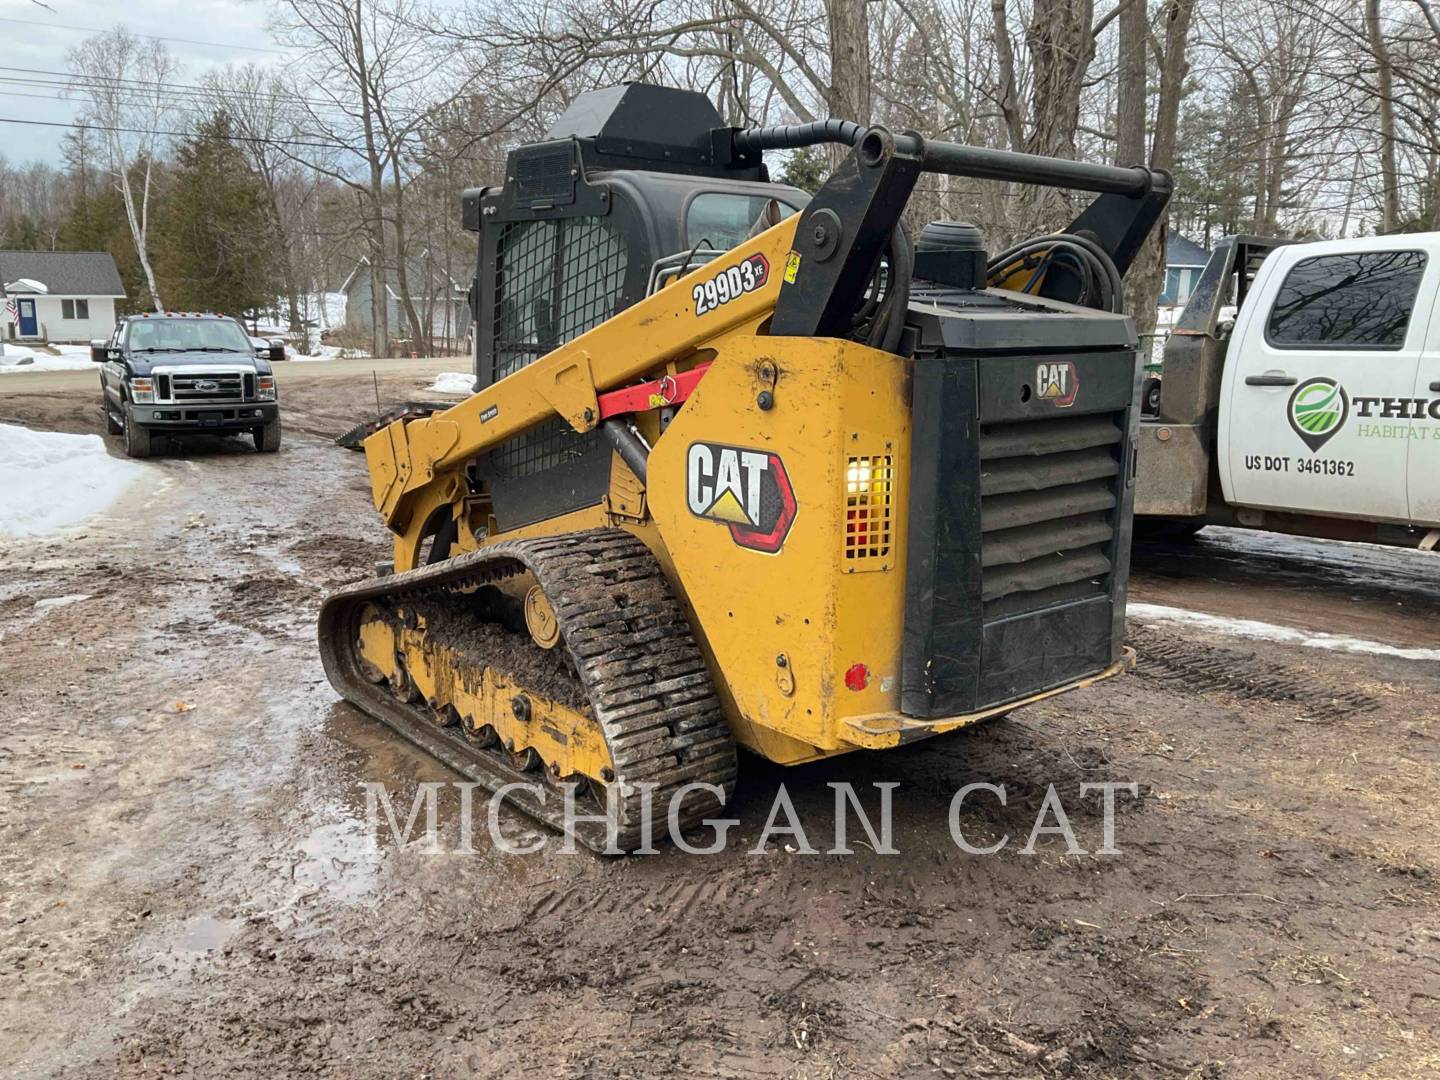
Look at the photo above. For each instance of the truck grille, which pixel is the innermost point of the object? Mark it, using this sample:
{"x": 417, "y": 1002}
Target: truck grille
{"x": 1048, "y": 492}
{"x": 201, "y": 387}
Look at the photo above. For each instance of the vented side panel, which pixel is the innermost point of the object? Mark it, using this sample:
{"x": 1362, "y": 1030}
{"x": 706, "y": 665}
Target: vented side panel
{"x": 1048, "y": 489}
{"x": 544, "y": 176}
{"x": 1018, "y": 548}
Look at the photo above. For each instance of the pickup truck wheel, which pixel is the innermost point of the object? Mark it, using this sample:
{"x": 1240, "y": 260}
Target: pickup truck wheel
{"x": 112, "y": 426}
{"x": 1166, "y": 530}
{"x": 1150, "y": 397}
{"x": 137, "y": 439}
{"x": 267, "y": 438}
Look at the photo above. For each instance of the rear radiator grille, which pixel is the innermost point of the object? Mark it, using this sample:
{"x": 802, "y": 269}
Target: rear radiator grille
{"x": 1048, "y": 493}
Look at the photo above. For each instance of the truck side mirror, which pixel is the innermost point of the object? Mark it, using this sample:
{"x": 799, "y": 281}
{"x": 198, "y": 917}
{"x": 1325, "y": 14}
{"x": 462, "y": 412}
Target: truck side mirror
{"x": 277, "y": 350}
{"x": 99, "y": 351}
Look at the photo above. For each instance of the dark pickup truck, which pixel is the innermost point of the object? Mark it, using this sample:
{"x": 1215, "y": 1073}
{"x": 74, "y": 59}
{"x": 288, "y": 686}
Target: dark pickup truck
{"x": 169, "y": 374}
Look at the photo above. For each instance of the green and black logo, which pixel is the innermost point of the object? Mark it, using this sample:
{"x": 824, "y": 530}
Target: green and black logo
{"x": 1318, "y": 409}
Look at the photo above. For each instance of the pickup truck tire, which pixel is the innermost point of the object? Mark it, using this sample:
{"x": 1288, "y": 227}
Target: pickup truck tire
{"x": 112, "y": 426}
{"x": 1167, "y": 530}
{"x": 267, "y": 437}
{"x": 138, "y": 443}
{"x": 1150, "y": 397}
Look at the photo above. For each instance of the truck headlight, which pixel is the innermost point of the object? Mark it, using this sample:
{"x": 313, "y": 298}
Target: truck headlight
{"x": 265, "y": 388}
{"x": 142, "y": 391}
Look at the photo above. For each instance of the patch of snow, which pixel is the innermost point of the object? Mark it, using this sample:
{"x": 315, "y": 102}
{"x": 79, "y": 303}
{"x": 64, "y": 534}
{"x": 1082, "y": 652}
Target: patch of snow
{"x": 55, "y": 480}
{"x": 324, "y": 352}
{"x": 23, "y": 358}
{"x": 329, "y": 307}
{"x": 453, "y": 382}
{"x": 1250, "y": 628}
{"x": 52, "y": 602}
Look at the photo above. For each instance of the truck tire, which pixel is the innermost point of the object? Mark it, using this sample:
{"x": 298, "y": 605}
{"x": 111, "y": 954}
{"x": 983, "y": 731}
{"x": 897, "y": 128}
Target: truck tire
{"x": 138, "y": 443}
{"x": 1167, "y": 530}
{"x": 267, "y": 437}
{"x": 112, "y": 426}
{"x": 1150, "y": 397}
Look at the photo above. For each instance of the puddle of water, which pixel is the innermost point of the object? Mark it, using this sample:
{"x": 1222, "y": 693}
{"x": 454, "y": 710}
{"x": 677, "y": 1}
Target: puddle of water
{"x": 341, "y": 859}
{"x": 371, "y": 753}
{"x": 203, "y": 934}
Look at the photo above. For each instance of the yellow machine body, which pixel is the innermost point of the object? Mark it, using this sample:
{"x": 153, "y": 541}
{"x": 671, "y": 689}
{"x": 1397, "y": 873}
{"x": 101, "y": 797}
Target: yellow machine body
{"x": 803, "y": 642}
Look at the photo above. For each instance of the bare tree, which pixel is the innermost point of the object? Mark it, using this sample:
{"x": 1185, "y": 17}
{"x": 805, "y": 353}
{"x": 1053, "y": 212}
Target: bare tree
{"x": 1131, "y": 86}
{"x": 1146, "y": 280}
{"x": 1385, "y": 108}
{"x": 123, "y": 81}
{"x": 263, "y": 111}
{"x": 849, "y": 94}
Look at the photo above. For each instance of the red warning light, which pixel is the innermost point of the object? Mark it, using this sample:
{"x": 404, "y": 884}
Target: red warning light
{"x": 858, "y": 677}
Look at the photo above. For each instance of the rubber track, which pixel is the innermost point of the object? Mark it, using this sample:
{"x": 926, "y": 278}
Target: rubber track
{"x": 631, "y": 644}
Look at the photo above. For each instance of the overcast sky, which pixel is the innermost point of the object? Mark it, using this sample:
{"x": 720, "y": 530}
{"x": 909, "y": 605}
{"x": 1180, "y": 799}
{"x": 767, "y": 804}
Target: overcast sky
{"x": 34, "y": 38}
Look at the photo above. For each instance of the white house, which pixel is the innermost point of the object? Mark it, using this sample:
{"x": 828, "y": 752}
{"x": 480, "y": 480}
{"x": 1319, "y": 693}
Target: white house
{"x": 59, "y": 296}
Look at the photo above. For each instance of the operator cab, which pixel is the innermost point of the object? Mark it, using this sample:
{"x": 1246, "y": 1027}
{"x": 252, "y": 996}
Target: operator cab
{"x": 590, "y": 221}
{"x": 629, "y": 188}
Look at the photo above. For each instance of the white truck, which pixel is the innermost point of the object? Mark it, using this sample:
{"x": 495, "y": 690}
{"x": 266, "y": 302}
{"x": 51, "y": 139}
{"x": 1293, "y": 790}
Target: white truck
{"x": 1318, "y": 411}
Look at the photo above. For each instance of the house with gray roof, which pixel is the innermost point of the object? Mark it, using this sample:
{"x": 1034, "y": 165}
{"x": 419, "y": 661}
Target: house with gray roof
{"x": 440, "y": 301}
{"x": 1184, "y": 259}
{"x": 58, "y": 296}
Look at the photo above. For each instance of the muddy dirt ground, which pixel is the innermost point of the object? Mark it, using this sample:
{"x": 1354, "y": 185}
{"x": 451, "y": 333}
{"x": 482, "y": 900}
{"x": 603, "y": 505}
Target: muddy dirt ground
{"x": 189, "y": 884}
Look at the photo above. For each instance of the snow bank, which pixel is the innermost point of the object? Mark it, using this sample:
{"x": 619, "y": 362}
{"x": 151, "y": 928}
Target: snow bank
{"x": 23, "y": 358}
{"x": 327, "y": 352}
{"x": 1250, "y": 628}
{"x": 331, "y": 308}
{"x": 453, "y": 382}
{"x": 55, "y": 480}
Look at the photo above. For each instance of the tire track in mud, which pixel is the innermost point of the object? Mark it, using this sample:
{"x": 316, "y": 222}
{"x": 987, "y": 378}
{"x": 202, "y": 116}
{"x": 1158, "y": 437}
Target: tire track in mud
{"x": 1189, "y": 666}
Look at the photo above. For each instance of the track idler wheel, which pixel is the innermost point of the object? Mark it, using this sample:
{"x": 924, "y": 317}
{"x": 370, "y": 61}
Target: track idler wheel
{"x": 540, "y": 619}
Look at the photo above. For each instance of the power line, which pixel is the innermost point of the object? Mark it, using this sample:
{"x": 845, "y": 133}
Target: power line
{"x": 66, "y": 81}
{"x": 76, "y": 126}
{"x": 232, "y": 137}
{"x": 151, "y": 37}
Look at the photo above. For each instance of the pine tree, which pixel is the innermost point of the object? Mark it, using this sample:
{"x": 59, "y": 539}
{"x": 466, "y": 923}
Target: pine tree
{"x": 96, "y": 222}
{"x": 216, "y": 251}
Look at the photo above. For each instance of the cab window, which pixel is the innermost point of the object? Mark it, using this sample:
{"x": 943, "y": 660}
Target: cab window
{"x": 722, "y": 219}
{"x": 1357, "y": 300}
{"x": 554, "y": 281}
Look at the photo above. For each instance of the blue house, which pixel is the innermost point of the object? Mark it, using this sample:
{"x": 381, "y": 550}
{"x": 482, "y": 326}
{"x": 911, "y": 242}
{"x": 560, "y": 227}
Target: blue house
{"x": 1184, "y": 259}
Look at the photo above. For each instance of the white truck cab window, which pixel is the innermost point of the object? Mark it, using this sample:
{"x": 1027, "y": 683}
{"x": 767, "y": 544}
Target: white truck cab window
{"x": 1356, "y": 300}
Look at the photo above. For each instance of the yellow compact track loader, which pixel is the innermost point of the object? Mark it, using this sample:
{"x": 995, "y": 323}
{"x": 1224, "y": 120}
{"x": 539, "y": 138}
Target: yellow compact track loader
{"x": 747, "y": 466}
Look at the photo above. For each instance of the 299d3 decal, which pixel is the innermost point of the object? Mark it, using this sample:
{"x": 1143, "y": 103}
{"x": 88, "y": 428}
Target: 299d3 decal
{"x": 730, "y": 283}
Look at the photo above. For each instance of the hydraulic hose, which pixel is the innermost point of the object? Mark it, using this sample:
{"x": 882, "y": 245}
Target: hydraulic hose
{"x": 889, "y": 320}
{"x": 794, "y": 136}
{"x": 1095, "y": 265}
